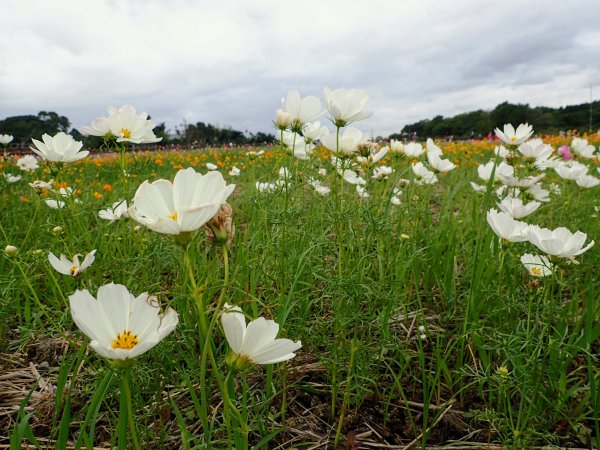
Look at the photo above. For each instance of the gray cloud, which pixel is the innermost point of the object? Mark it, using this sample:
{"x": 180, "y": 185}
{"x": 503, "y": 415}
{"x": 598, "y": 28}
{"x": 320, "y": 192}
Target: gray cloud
{"x": 229, "y": 63}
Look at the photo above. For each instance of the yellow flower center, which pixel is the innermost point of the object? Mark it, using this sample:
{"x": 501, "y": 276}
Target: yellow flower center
{"x": 536, "y": 271}
{"x": 73, "y": 269}
{"x": 513, "y": 138}
{"x": 173, "y": 216}
{"x": 126, "y": 341}
{"x": 126, "y": 133}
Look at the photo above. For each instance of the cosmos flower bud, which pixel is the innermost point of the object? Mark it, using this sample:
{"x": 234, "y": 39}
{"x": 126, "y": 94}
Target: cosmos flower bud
{"x": 282, "y": 119}
{"x": 11, "y": 250}
{"x": 57, "y": 230}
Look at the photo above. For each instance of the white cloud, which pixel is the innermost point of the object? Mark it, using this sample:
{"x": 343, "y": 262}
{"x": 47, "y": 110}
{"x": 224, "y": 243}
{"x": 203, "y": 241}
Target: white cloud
{"x": 229, "y": 63}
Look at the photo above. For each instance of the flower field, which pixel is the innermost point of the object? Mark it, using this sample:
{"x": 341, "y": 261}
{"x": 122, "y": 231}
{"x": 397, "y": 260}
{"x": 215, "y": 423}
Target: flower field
{"x": 344, "y": 295}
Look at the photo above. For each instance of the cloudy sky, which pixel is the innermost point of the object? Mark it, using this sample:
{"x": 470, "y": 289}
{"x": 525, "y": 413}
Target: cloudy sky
{"x": 230, "y": 62}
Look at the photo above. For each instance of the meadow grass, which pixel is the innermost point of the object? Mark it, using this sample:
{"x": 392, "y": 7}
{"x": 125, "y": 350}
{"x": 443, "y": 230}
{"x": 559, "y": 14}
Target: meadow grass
{"x": 417, "y": 326}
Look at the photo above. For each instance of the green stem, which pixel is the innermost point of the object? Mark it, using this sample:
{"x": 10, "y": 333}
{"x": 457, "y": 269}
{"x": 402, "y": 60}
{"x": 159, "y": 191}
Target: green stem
{"x": 126, "y": 390}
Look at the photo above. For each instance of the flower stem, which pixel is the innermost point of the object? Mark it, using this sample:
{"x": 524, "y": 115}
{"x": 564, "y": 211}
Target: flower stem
{"x": 126, "y": 391}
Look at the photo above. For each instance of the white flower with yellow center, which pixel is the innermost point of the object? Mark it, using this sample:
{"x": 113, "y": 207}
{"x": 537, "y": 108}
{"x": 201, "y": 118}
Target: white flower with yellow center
{"x": 124, "y": 124}
{"x": 72, "y": 268}
{"x": 120, "y": 326}
{"x": 514, "y": 137}
{"x": 184, "y": 205}
{"x": 255, "y": 343}
{"x": 346, "y": 105}
{"x": 537, "y": 266}
{"x": 115, "y": 212}
{"x": 27, "y": 163}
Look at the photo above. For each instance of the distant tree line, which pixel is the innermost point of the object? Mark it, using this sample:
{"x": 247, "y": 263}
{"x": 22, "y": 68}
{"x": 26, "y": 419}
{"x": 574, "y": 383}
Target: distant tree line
{"x": 480, "y": 123}
{"x": 26, "y": 127}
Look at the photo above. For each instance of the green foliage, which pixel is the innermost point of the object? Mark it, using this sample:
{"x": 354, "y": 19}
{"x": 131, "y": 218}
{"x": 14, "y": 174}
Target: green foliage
{"x": 479, "y": 123}
{"x": 23, "y": 128}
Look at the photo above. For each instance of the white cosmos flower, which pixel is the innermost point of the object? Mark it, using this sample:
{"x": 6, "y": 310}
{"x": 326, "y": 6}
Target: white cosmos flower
{"x": 535, "y": 149}
{"x": 382, "y": 172}
{"x": 350, "y": 176}
{"x": 10, "y": 178}
{"x": 313, "y": 131}
{"x": 349, "y": 140}
{"x": 362, "y": 191}
{"x": 256, "y": 342}
{"x": 587, "y": 181}
{"x": 124, "y": 124}
{"x": 322, "y": 172}
{"x": 515, "y": 137}
{"x": 182, "y": 206}
{"x": 395, "y": 201}
{"x": 537, "y": 266}
{"x": 484, "y": 171}
{"x": 423, "y": 174}
{"x": 284, "y": 172}
{"x": 211, "y": 166}
{"x": 506, "y": 227}
{"x": 477, "y": 187}
{"x": 72, "y": 268}
{"x": 346, "y": 105}
{"x": 396, "y": 147}
{"x": 570, "y": 170}
{"x": 6, "y": 139}
{"x": 581, "y": 147}
{"x": 296, "y": 143}
{"x": 515, "y": 207}
{"x": 301, "y": 110}
{"x": 320, "y": 188}
{"x": 115, "y": 212}
{"x": 509, "y": 180}
{"x": 55, "y": 204}
{"x": 234, "y": 172}
{"x": 413, "y": 150}
{"x": 120, "y": 326}
{"x": 441, "y": 165}
{"x": 538, "y": 193}
{"x": 27, "y": 163}
{"x": 433, "y": 149}
{"x": 501, "y": 151}
{"x": 559, "y": 242}
{"x": 60, "y": 148}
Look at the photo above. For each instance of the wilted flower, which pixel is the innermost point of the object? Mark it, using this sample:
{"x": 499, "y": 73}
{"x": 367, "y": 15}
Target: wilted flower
{"x": 120, "y": 326}
{"x": 537, "y": 266}
{"x": 346, "y": 105}
{"x": 515, "y": 137}
{"x": 115, "y": 212}
{"x": 27, "y": 163}
{"x": 221, "y": 228}
{"x": 182, "y": 206}
{"x": 560, "y": 242}
{"x": 254, "y": 343}
{"x": 506, "y": 227}
{"x": 40, "y": 185}
{"x": 68, "y": 267}
{"x": 60, "y": 148}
